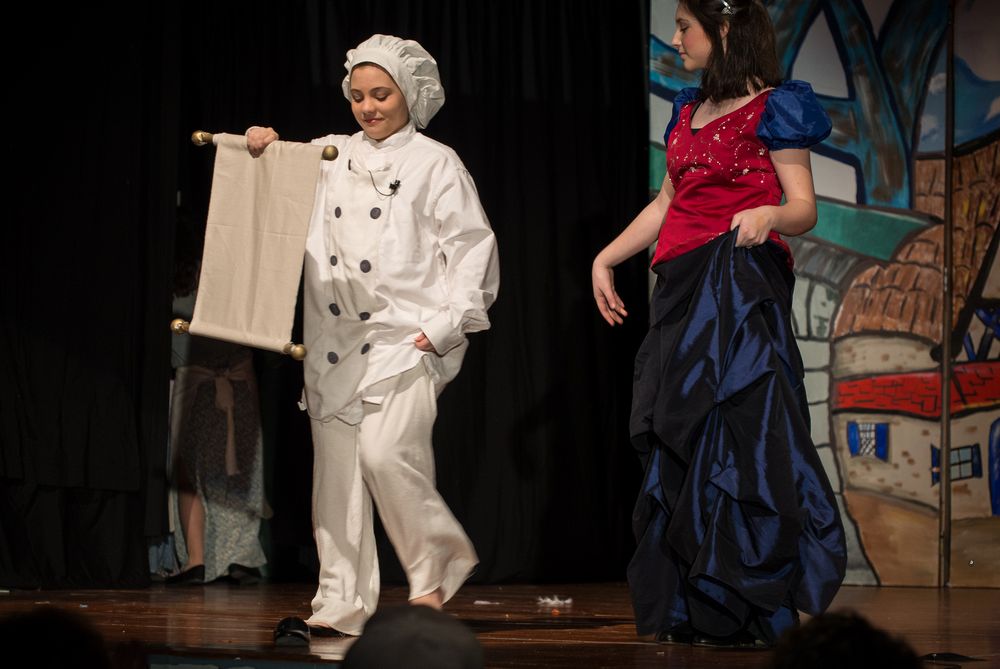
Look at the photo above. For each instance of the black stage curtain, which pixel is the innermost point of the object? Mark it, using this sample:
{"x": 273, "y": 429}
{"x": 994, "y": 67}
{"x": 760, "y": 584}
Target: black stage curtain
{"x": 91, "y": 114}
{"x": 546, "y": 105}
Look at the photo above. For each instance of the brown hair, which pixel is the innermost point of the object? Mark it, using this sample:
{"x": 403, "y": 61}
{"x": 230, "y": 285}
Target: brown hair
{"x": 749, "y": 59}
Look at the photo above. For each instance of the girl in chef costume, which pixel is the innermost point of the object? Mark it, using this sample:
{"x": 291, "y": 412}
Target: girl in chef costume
{"x": 400, "y": 265}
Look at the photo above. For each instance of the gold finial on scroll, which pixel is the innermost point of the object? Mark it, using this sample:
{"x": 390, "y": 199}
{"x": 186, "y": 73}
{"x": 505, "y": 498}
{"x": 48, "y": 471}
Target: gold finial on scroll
{"x": 201, "y": 138}
{"x": 179, "y": 326}
{"x": 297, "y": 351}
{"x": 330, "y": 152}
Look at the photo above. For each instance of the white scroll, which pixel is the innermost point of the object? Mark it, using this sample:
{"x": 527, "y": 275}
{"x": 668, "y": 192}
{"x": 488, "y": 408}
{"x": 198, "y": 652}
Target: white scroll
{"x": 258, "y": 218}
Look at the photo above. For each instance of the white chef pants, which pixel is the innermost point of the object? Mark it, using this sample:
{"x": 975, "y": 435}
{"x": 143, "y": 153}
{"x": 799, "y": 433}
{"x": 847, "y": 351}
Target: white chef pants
{"x": 388, "y": 457}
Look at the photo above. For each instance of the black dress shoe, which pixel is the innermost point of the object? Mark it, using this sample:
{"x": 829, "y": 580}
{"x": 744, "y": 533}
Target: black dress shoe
{"x": 676, "y": 638}
{"x": 738, "y": 640}
{"x": 192, "y": 576}
{"x": 291, "y": 632}
{"x": 244, "y": 575}
{"x": 320, "y": 630}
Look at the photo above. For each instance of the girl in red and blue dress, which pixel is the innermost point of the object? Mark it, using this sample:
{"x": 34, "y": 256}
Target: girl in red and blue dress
{"x": 737, "y": 527}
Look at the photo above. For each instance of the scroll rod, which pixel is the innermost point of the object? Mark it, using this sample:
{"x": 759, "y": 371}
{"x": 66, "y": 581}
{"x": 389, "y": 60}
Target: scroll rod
{"x": 296, "y": 351}
{"x": 202, "y": 138}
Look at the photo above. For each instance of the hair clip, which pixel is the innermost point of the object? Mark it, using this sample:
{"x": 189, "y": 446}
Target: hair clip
{"x": 727, "y": 9}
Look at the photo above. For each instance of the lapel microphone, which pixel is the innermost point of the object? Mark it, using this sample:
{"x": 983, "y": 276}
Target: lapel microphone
{"x": 393, "y": 187}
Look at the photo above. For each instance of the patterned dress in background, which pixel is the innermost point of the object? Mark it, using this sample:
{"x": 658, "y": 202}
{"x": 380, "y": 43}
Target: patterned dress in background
{"x": 230, "y": 484}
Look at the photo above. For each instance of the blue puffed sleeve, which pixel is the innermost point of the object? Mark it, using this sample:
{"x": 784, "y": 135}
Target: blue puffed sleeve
{"x": 685, "y": 96}
{"x": 793, "y": 118}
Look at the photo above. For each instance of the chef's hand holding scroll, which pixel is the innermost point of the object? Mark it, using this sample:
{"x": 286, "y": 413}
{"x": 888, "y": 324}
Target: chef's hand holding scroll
{"x": 258, "y": 138}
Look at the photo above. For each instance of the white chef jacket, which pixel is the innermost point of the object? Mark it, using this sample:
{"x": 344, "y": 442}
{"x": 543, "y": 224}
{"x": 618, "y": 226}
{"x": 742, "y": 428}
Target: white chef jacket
{"x": 383, "y": 264}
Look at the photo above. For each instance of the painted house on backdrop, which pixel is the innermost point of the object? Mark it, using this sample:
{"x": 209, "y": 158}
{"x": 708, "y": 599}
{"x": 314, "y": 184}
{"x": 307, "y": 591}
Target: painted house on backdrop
{"x": 886, "y": 394}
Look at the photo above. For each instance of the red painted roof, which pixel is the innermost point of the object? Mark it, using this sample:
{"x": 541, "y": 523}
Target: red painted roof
{"x": 975, "y": 386}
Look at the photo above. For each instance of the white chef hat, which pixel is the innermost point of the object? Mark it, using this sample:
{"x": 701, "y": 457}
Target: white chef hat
{"x": 410, "y": 66}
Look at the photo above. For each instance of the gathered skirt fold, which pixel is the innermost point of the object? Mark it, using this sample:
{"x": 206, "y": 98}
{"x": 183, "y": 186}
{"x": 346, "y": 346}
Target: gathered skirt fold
{"x": 736, "y": 523}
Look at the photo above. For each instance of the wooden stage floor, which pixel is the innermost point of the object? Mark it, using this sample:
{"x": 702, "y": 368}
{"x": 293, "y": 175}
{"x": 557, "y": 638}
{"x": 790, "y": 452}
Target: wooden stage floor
{"x": 219, "y": 621}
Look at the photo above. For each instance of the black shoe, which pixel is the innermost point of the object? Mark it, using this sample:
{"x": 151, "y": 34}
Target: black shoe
{"x": 291, "y": 632}
{"x": 192, "y": 576}
{"x": 738, "y": 640}
{"x": 244, "y": 575}
{"x": 329, "y": 632}
{"x": 676, "y": 638}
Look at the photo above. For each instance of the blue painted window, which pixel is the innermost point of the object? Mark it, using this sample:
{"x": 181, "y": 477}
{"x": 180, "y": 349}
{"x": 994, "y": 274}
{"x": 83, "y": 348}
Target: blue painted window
{"x": 966, "y": 463}
{"x": 870, "y": 439}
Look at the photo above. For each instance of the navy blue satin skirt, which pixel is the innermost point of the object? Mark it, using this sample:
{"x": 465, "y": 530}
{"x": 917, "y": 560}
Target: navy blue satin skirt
{"x": 736, "y": 524}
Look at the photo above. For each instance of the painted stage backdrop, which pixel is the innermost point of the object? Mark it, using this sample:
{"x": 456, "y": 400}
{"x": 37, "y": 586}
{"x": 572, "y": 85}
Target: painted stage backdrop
{"x": 868, "y": 297}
